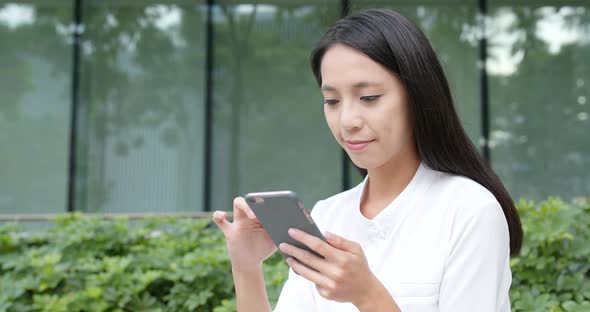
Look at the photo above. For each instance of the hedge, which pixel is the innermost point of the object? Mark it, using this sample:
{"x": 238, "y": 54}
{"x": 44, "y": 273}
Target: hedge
{"x": 85, "y": 263}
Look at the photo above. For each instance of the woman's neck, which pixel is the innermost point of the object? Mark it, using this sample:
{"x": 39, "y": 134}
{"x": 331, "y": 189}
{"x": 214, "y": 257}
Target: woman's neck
{"x": 386, "y": 182}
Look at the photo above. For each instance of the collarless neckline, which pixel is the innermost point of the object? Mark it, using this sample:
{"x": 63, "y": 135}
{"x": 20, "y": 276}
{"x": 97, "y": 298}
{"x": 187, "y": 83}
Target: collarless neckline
{"x": 393, "y": 209}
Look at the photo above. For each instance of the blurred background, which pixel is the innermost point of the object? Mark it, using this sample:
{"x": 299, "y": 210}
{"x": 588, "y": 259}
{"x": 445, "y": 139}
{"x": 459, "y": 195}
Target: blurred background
{"x": 123, "y": 106}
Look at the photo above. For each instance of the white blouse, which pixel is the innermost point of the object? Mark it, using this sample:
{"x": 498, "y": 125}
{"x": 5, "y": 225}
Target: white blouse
{"x": 441, "y": 245}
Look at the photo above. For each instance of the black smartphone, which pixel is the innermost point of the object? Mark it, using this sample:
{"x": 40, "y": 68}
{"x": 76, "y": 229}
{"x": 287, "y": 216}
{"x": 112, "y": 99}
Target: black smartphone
{"x": 279, "y": 211}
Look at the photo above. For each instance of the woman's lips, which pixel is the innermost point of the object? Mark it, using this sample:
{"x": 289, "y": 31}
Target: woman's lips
{"x": 357, "y": 145}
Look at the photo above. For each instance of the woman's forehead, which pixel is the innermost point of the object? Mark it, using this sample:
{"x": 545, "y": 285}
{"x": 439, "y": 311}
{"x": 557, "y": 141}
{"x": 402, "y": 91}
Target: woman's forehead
{"x": 357, "y": 85}
{"x": 340, "y": 54}
{"x": 343, "y": 66}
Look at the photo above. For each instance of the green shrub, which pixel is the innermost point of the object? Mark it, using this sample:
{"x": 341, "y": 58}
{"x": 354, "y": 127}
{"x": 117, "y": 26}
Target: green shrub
{"x": 166, "y": 264}
{"x": 552, "y": 272}
{"x": 90, "y": 264}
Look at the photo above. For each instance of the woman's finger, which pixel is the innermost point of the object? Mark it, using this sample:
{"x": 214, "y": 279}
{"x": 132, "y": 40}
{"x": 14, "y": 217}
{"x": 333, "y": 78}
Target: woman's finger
{"x": 325, "y": 267}
{"x": 343, "y": 244}
{"x": 316, "y": 244}
{"x": 305, "y": 257}
{"x": 219, "y": 219}
{"x": 241, "y": 207}
{"x": 309, "y": 274}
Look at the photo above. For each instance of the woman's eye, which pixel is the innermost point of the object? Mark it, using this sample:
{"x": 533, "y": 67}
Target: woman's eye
{"x": 370, "y": 98}
{"x": 330, "y": 102}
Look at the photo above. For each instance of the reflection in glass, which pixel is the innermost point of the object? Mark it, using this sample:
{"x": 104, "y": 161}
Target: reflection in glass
{"x": 142, "y": 93}
{"x": 35, "y": 59}
{"x": 539, "y": 89}
{"x": 142, "y": 107}
{"x": 269, "y": 129}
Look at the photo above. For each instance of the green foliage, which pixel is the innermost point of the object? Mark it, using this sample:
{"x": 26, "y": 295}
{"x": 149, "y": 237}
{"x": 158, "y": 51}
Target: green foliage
{"x": 89, "y": 264}
{"x": 166, "y": 264}
{"x": 552, "y": 272}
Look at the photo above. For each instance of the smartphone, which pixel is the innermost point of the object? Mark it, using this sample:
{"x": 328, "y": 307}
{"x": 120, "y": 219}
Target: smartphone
{"x": 279, "y": 211}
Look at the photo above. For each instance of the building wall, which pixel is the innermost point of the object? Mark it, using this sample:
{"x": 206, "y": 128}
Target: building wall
{"x": 181, "y": 106}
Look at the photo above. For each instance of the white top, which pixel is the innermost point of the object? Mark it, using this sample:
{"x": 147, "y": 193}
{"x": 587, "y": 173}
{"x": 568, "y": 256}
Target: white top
{"x": 441, "y": 245}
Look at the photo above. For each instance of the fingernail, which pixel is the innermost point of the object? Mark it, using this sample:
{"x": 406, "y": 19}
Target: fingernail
{"x": 292, "y": 231}
{"x": 328, "y": 235}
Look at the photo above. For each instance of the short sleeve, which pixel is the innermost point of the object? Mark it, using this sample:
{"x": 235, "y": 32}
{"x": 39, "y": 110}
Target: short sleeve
{"x": 298, "y": 293}
{"x": 477, "y": 273}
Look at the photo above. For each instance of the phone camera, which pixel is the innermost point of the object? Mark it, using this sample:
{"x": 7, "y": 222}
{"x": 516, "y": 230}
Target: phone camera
{"x": 255, "y": 200}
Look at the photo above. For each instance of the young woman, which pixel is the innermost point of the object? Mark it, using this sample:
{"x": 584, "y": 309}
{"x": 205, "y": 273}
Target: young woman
{"x": 431, "y": 227}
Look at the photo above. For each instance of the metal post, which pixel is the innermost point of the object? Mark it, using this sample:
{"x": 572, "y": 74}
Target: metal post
{"x": 344, "y": 10}
{"x": 75, "y": 98}
{"x": 208, "y": 107}
{"x": 483, "y": 81}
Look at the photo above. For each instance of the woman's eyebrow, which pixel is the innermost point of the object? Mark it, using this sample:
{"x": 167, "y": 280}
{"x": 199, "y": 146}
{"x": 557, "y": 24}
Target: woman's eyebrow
{"x": 358, "y": 85}
{"x": 327, "y": 88}
{"x": 364, "y": 84}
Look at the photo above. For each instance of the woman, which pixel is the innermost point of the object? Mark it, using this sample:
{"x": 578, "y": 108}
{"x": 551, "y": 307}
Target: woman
{"x": 431, "y": 227}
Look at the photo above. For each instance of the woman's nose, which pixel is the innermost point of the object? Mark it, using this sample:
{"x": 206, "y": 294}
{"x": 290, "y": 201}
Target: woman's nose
{"x": 350, "y": 117}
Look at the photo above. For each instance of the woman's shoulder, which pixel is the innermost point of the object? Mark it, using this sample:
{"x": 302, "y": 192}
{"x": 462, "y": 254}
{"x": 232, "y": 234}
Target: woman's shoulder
{"x": 472, "y": 215}
{"x": 465, "y": 198}
{"x": 461, "y": 188}
{"x": 345, "y": 198}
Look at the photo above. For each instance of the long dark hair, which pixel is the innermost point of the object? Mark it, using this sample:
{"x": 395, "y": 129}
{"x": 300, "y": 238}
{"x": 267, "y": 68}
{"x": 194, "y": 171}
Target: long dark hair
{"x": 396, "y": 43}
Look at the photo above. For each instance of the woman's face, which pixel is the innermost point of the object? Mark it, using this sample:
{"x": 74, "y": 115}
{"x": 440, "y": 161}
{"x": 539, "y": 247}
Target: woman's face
{"x": 366, "y": 107}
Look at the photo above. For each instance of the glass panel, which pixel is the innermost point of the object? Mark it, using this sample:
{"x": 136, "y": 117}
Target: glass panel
{"x": 35, "y": 59}
{"x": 540, "y": 78}
{"x": 269, "y": 127}
{"x": 450, "y": 27}
{"x": 355, "y": 176}
{"x": 143, "y": 70}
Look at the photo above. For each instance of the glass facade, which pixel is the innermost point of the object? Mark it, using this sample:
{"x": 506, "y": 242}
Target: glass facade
{"x": 268, "y": 127}
{"x": 540, "y": 87}
{"x": 142, "y": 71}
{"x": 182, "y": 105}
{"x": 35, "y": 77}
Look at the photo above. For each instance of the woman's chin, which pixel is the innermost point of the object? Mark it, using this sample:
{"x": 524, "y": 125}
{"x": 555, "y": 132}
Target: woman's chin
{"x": 361, "y": 163}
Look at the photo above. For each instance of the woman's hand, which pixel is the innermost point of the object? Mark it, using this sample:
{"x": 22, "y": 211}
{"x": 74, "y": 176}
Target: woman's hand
{"x": 247, "y": 242}
{"x": 343, "y": 275}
